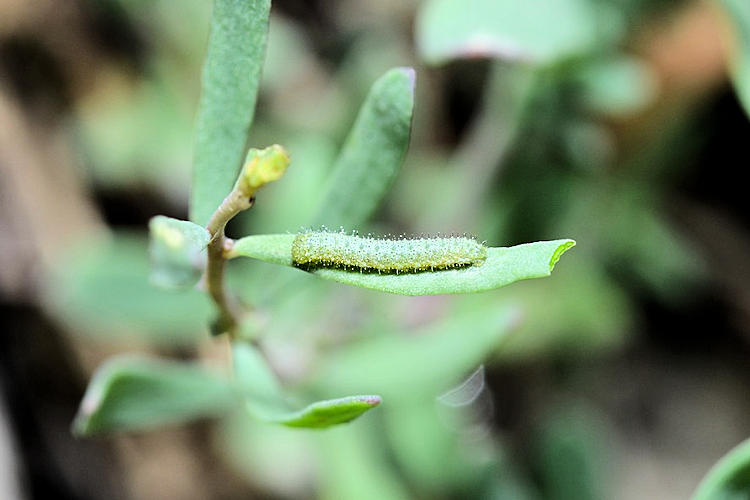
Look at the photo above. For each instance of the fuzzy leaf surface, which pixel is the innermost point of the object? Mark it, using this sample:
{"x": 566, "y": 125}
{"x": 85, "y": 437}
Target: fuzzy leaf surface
{"x": 372, "y": 153}
{"x": 504, "y": 265}
{"x": 231, "y": 76}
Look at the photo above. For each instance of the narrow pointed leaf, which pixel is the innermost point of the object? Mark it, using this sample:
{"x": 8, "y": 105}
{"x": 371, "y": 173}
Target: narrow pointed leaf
{"x": 331, "y": 412}
{"x": 231, "y": 75}
{"x": 132, "y": 393}
{"x": 265, "y": 401}
{"x": 729, "y": 479}
{"x": 503, "y": 266}
{"x": 372, "y": 154}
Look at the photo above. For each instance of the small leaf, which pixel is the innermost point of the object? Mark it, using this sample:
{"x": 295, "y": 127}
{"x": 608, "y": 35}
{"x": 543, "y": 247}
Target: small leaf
{"x": 265, "y": 401}
{"x": 178, "y": 252}
{"x": 539, "y": 31}
{"x": 739, "y": 12}
{"x": 331, "y": 412}
{"x": 101, "y": 289}
{"x": 504, "y": 265}
{"x": 729, "y": 478}
{"x": 231, "y": 74}
{"x": 131, "y": 393}
{"x": 373, "y": 152}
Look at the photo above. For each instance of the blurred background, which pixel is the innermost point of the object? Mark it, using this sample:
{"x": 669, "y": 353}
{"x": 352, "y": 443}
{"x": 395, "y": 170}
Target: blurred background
{"x": 614, "y": 122}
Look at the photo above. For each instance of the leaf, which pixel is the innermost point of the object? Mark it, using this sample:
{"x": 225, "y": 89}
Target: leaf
{"x": 739, "y": 13}
{"x": 569, "y": 451}
{"x": 539, "y": 31}
{"x": 178, "y": 252}
{"x": 101, "y": 289}
{"x": 423, "y": 449}
{"x": 354, "y": 463}
{"x": 504, "y": 265}
{"x": 132, "y": 393}
{"x": 266, "y": 402}
{"x": 273, "y": 248}
{"x": 231, "y": 75}
{"x": 373, "y": 152}
{"x": 729, "y": 478}
{"x": 617, "y": 86}
{"x": 428, "y": 361}
{"x": 138, "y": 136}
{"x": 331, "y": 412}
{"x": 595, "y": 319}
{"x": 268, "y": 455}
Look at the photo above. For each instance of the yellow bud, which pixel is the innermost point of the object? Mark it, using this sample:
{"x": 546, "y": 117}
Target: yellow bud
{"x": 261, "y": 167}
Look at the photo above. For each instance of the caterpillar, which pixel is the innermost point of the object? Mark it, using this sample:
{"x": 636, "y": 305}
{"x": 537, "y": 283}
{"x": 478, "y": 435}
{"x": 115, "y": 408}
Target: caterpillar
{"x": 369, "y": 254}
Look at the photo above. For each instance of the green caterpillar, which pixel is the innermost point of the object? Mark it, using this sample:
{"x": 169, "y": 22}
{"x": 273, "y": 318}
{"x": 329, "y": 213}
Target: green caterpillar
{"x": 368, "y": 254}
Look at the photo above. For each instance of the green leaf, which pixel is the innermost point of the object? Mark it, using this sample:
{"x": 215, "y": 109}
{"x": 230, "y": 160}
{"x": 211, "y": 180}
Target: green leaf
{"x": 131, "y": 393}
{"x": 121, "y": 152}
{"x": 409, "y": 364}
{"x": 729, "y": 478}
{"x": 539, "y": 31}
{"x": 231, "y": 75}
{"x": 355, "y": 463}
{"x": 618, "y": 85}
{"x": 373, "y": 152}
{"x": 268, "y": 455}
{"x": 178, "y": 252}
{"x": 739, "y": 12}
{"x": 265, "y": 401}
{"x": 101, "y": 289}
{"x": 430, "y": 456}
{"x": 331, "y": 412}
{"x": 273, "y": 248}
{"x": 569, "y": 451}
{"x": 504, "y": 265}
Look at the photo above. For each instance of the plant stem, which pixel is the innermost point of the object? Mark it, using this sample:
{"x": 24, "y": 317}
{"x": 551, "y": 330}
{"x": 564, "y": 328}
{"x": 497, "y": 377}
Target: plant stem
{"x": 260, "y": 168}
{"x": 229, "y": 310}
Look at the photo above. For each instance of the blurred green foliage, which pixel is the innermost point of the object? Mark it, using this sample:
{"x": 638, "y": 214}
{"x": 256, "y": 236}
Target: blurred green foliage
{"x": 739, "y": 13}
{"x": 539, "y": 159}
{"x": 729, "y": 478}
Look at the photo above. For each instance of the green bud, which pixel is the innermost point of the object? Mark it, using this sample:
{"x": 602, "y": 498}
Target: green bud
{"x": 261, "y": 167}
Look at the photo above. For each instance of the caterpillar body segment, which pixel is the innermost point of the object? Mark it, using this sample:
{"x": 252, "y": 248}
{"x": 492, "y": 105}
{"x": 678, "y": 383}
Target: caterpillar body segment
{"x": 368, "y": 254}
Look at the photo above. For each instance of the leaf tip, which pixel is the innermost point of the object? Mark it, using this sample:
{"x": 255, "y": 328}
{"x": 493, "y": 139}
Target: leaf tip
{"x": 561, "y": 249}
{"x": 370, "y": 400}
{"x": 82, "y": 422}
{"x": 323, "y": 414}
{"x": 410, "y": 73}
